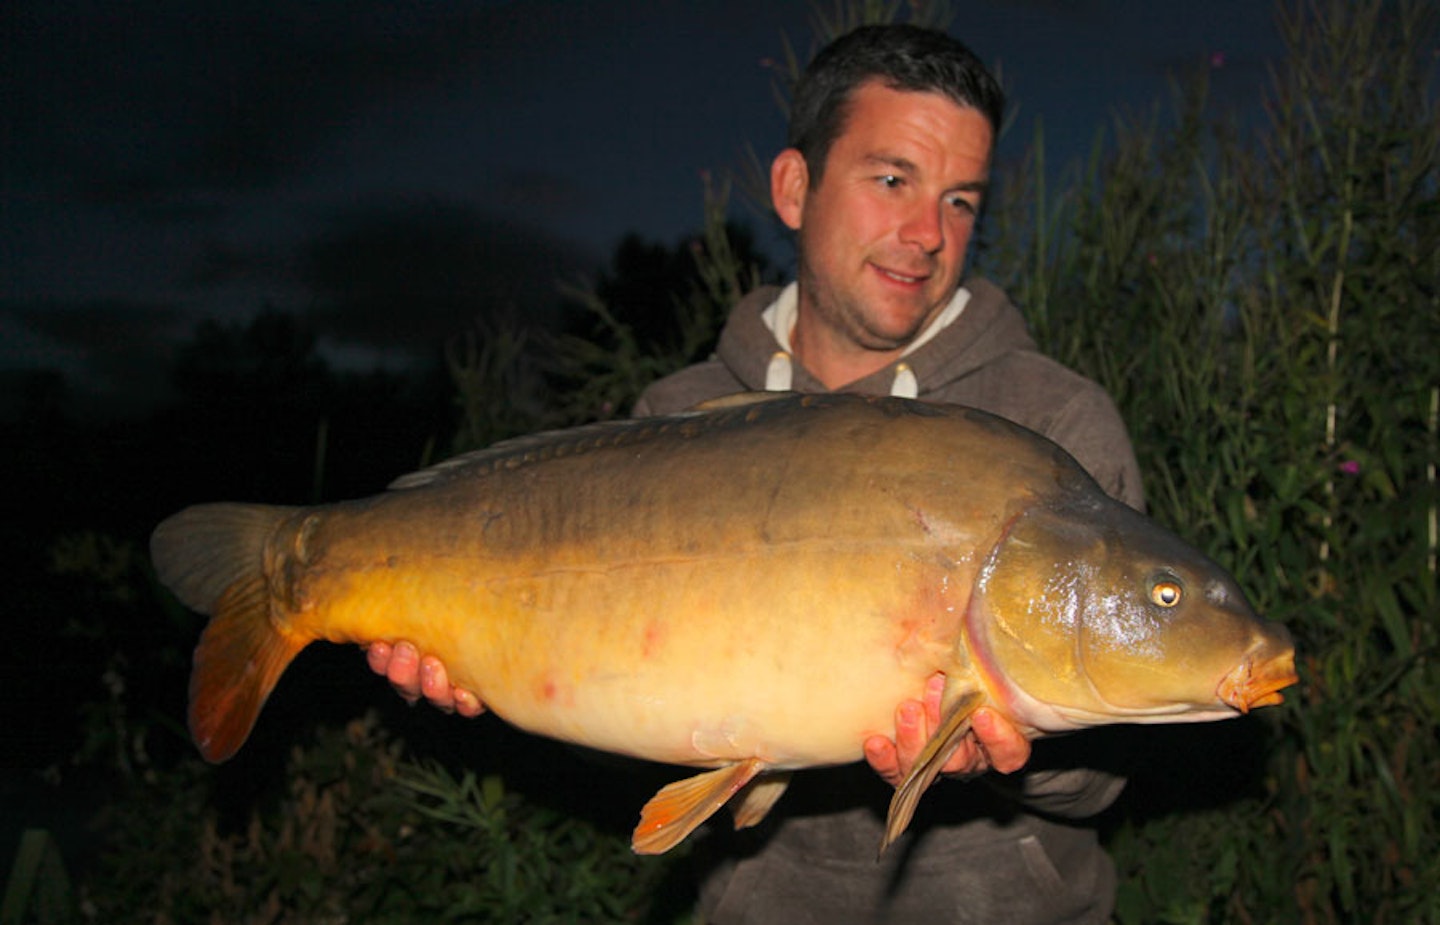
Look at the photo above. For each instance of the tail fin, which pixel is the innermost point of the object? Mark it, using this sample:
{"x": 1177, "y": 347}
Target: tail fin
{"x": 212, "y": 557}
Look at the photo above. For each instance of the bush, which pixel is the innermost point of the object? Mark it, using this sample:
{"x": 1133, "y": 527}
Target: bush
{"x": 360, "y": 835}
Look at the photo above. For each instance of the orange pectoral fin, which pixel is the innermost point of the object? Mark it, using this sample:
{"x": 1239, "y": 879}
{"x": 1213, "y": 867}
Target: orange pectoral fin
{"x": 953, "y": 727}
{"x": 240, "y": 657}
{"x": 679, "y": 808}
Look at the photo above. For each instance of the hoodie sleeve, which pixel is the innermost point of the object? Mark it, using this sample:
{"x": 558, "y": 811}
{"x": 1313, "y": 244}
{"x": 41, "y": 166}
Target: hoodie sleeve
{"x": 1065, "y": 788}
{"x": 1090, "y": 428}
{"x": 683, "y": 390}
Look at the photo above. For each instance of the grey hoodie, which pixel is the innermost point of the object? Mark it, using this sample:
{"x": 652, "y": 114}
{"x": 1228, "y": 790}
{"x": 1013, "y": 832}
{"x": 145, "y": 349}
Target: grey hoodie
{"x": 984, "y": 358}
{"x": 1000, "y": 850}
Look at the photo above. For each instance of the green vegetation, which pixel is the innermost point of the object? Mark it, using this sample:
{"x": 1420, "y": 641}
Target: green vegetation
{"x": 360, "y": 835}
{"x": 1264, "y": 303}
{"x": 1265, "y": 307}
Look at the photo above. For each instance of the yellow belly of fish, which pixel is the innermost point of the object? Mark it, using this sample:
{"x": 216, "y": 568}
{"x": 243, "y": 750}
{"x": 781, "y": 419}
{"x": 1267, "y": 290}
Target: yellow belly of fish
{"x": 793, "y": 657}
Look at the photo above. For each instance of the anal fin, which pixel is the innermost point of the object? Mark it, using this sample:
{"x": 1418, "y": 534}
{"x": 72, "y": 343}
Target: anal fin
{"x": 937, "y": 751}
{"x": 679, "y": 808}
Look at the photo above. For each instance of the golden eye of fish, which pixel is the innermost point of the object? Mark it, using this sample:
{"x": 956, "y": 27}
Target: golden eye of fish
{"x": 1165, "y": 593}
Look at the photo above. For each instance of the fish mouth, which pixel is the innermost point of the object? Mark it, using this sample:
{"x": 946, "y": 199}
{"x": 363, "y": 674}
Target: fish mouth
{"x": 1259, "y": 678}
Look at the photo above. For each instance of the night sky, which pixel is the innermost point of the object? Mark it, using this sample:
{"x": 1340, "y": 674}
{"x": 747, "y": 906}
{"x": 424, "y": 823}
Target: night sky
{"x": 165, "y": 162}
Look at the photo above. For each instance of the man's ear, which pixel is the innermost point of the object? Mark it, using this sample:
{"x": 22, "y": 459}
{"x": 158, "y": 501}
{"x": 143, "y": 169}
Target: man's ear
{"x": 789, "y": 182}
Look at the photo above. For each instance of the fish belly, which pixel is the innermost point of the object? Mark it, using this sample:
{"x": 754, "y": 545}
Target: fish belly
{"x": 791, "y": 656}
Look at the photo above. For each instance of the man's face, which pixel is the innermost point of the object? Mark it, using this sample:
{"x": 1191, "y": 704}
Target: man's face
{"x": 882, "y": 237}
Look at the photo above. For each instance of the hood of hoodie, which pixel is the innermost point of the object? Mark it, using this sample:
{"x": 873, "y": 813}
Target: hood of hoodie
{"x": 986, "y": 328}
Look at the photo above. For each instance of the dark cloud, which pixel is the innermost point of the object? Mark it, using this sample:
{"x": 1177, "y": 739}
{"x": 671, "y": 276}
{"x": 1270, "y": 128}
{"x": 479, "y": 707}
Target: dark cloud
{"x": 113, "y": 355}
{"x": 382, "y": 285}
{"x": 220, "y": 263}
{"x": 529, "y": 191}
{"x": 87, "y": 325}
{"x": 409, "y": 276}
{"x": 396, "y": 169}
{"x": 126, "y": 102}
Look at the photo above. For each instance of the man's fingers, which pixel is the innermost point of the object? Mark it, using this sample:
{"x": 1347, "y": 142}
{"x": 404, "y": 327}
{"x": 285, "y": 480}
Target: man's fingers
{"x": 968, "y": 760}
{"x": 911, "y": 731}
{"x": 377, "y": 655}
{"x": 880, "y": 753}
{"x": 467, "y": 704}
{"x": 403, "y": 670}
{"x": 934, "y": 695}
{"x": 1006, "y": 747}
{"x": 414, "y": 677}
{"x": 993, "y": 743}
{"x": 435, "y": 684}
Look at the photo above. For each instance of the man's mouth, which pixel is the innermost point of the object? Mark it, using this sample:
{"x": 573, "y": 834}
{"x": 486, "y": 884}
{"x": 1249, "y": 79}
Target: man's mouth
{"x": 907, "y": 279}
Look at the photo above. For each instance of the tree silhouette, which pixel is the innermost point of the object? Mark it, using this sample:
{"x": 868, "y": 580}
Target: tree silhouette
{"x": 647, "y": 283}
{"x": 270, "y": 361}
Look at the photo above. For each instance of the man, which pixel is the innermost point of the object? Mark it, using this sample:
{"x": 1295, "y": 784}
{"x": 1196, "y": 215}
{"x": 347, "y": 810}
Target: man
{"x": 891, "y": 138}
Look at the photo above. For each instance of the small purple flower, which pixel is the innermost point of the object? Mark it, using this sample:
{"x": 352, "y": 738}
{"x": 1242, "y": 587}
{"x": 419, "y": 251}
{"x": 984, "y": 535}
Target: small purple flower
{"x": 1217, "y": 59}
{"x": 1350, "y": 467}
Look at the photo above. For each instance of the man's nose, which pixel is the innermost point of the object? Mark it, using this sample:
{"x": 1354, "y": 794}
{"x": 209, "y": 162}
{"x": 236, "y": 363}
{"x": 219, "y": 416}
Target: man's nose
{"x": 923, "y": 227}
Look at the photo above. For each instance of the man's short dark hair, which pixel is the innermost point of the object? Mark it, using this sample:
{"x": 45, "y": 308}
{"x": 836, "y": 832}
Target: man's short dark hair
{"x": 903, "y": 57}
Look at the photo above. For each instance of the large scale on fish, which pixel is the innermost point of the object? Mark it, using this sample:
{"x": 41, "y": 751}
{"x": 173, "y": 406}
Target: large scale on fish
{"x": 750, "y": 588}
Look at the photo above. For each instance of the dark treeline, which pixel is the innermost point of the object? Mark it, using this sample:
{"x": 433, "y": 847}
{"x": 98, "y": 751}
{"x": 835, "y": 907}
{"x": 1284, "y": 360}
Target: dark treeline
{"x": 255, "y": 413}
{"x": 97, "y": 660}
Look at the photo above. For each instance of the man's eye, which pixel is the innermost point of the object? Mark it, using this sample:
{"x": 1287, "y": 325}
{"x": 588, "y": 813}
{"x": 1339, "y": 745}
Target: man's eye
{"x": 890, "y": 181}
{"x": 960, "y": 204}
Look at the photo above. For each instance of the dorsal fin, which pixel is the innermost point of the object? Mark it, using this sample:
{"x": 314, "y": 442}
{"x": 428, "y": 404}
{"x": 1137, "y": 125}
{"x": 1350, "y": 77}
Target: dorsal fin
{"x": 549, "y": 444}
{"x": 531, "y": 448}
{"x": 740, "y": 400}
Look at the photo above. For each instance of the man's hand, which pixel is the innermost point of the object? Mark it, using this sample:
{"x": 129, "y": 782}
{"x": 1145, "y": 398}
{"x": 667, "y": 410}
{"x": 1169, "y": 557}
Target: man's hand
{"x": 414, "y": 677}
{"x": 993, "y": 743}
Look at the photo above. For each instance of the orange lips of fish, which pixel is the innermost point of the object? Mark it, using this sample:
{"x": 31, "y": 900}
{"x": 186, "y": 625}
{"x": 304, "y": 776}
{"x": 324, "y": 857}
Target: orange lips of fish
{"x": 1258, "y": 680}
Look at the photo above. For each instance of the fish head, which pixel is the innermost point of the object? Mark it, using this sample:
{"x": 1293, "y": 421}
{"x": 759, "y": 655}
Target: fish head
{"x": 1087, "y": 613}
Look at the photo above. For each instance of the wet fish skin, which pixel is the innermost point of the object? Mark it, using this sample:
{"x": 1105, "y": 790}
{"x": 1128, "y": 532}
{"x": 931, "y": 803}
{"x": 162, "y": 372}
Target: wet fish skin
{"x": 750, "y": 589}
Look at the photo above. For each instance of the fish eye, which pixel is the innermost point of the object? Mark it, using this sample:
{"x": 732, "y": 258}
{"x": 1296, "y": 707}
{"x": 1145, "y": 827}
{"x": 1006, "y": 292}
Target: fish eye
{"x": 1165, "y": 593}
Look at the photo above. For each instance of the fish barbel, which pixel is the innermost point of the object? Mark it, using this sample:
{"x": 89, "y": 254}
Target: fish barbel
{"x": 750, "y": 588}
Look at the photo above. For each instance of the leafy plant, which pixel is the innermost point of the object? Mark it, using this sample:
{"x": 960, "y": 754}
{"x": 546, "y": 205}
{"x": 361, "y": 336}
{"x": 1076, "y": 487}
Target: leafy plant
{"x": 1265, "y": 310}
{"x": 361, "y": 834}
